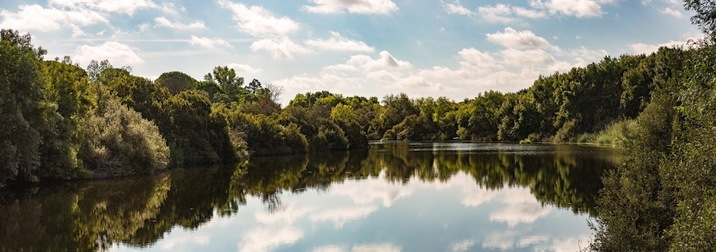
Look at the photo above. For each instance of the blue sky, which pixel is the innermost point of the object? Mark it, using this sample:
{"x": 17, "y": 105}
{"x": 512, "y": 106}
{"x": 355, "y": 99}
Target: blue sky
{"x": 450, "y": 48}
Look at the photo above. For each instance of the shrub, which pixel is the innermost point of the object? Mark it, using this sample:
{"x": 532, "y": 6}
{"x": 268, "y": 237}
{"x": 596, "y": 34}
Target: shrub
{"x": 119, "y": 142}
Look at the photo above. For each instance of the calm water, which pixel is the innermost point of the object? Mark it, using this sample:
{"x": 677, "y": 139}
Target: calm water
{"x": 394, "y": 197}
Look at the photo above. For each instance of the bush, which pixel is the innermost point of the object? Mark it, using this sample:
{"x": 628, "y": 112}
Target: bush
{"x": 119, "y": 142}
{"x": 265, "y": 136}
{"x": 616, "y": 133}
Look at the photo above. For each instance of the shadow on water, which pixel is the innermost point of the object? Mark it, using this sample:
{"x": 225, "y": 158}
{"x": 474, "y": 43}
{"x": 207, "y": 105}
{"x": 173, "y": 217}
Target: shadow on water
{"x": 140, "y": 211}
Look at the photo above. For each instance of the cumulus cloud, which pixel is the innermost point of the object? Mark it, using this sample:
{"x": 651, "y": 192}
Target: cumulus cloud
{"x": 115, "y": 52}
{"x": 526, "y": 58}
{"x": 164, "y": 22}
{"x": 257, "y": 21}
{"x": 339, "y": 43}
{"x": 576, "y": 8}
{"x": 584, "y": 56}
{"x": 514, "y": 39}
{"x": 643, "y": 48}
{"x": 366, "y": 63}
{"x": 36, "y": 17}
{"x": 124, "y": 6}
{"x": 243, "y": 69}
{"x": 672, "y": 12}
{"x": 279, "y": 48}
{"x": 502, "y": 13}
{"x": 498, "y": 14}
{"x": 457, "y": 8}
{"x": 208, "y": 43}
{"x": 353, "y": 6}
{"x": 528, "y": 13}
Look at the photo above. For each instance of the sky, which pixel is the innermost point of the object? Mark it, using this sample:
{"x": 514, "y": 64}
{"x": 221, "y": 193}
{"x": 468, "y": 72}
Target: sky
{"x": 452, "y": 48}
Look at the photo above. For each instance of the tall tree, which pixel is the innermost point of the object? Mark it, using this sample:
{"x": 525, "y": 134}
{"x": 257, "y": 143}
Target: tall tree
{"x": 21, "y": 106}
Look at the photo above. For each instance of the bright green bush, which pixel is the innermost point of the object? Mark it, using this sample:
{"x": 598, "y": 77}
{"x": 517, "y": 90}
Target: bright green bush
{"x": 119, "y": 142}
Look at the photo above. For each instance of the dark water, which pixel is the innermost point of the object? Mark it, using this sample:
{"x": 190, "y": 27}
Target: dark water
{"x": 394, "y": 197}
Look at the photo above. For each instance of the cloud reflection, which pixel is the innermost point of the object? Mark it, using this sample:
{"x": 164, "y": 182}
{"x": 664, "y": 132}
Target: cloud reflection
{"x": 371, "y": 190}
{"x": 462, "y": 246}
{"x": 266, "y": 239}
{"x": 340, "y": 216}
{"x": 288, "y": 215}
{"x": 379, "y": 247}
{"x": 519, "y": 206}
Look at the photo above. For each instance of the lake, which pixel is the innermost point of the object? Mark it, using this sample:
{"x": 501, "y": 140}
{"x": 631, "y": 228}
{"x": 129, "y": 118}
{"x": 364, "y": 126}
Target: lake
{"x": 393, "y": 197}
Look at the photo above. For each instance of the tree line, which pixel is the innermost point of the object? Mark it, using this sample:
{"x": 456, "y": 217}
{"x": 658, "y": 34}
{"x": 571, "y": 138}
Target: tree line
{"x": 63, "y": 122}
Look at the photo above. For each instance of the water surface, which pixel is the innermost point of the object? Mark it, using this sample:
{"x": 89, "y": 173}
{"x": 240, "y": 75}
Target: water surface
{"x": 394, "y": 197}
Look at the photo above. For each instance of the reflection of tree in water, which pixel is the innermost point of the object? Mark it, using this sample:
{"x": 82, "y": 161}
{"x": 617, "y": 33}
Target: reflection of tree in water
{"x": 139, "y": 211}
{"x": 562, "y": 175}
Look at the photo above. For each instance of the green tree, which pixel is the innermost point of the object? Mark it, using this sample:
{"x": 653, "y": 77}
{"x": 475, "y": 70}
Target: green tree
{"x": 230, "y": 83}
{"x": 21, "y": 107}
{"x": 67, "y": 87}
{"x": 176, "y": 81}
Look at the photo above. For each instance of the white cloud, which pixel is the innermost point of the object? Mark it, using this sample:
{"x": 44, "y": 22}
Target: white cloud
{"x": 244, "y": 69}
{"x": 584, "y": 56}
{"x": 279, "y": 48}
{"x": 164, "y": 22}
{"x": 77, "y": 31}
{"x": 143, "y": 27}
{"x": 124, "y": 6}
{"x": 339, "y": 43}
{"x": 526, "y": 58}
{"x": 576, "y": 8}
{"x": 171, "y": 9}
{"x": 36, "y": 17}
{"x": 524, "y": 12}
{"x": 352, "y": 6}
{"x": 672, "y": 12}
{"x": 266, "y": 239}
{"x": 514, "y": 39}
{"x": 257, "y": 21}
{"x": 457, "y": 8}
{"x": 642, "y": 48}
{"x": 502, "y": 13}
{"x": 498, "y": 14}
{"x": 208, "y": 43}
{"x": 383, "y": 247}
{"x": 366, "y": 63}
{"x": 117, "y": 53}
